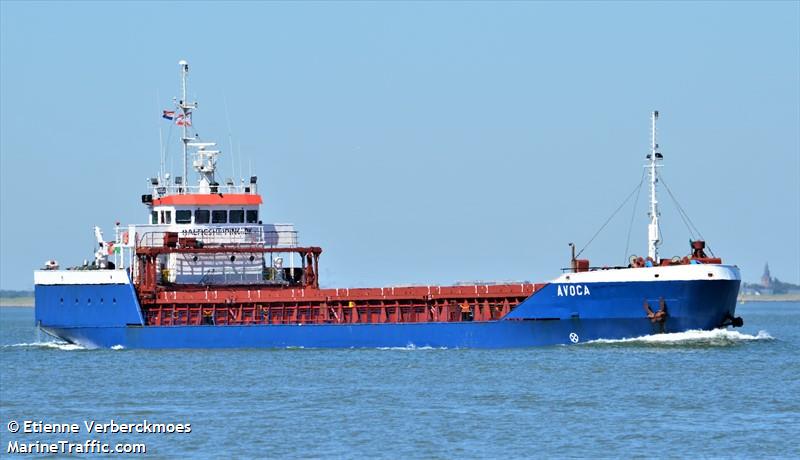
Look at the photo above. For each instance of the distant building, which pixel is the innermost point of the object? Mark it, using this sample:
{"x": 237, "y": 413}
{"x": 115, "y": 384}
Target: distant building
{"x": 766, "y": 279}
{"x": 769, "y": 285}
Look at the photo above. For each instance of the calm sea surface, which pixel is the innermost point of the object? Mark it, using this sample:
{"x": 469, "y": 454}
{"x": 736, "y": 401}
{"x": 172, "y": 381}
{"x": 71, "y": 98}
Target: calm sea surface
{"x": 706, "y": 394}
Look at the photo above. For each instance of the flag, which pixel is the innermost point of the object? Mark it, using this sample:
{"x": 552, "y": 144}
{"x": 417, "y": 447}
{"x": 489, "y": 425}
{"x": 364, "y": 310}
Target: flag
{"x": 168, "y": 114}
{"x": 180, "y": 120}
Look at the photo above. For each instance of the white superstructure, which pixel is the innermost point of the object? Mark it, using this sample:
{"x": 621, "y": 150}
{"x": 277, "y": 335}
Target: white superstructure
{"x": 204, "y": 214}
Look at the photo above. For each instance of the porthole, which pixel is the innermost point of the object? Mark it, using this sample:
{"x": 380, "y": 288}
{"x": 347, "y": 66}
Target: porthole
{"x": 233, "y": 258}
{"x": 656, "y": 275}
{"x": 61, "y": 300}
{"x": 710, "y": 275}
{"x": 114, "y": 300}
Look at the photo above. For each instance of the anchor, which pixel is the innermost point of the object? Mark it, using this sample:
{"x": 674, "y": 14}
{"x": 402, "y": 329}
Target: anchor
{"x": 659, "y": 317}
{"x": 656, "y": 317}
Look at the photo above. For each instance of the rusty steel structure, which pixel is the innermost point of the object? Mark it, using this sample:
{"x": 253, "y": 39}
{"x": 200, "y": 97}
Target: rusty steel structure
{"x": 169, "y": 304}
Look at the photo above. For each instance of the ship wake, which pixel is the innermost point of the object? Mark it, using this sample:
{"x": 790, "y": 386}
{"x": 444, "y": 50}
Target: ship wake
{"x": 53, "y": 345}
{"x": 411, "y": 347}
{"x": 716, "y": 337}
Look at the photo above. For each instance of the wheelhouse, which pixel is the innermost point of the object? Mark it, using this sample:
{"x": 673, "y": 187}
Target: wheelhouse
{"x": 200, "y": 209}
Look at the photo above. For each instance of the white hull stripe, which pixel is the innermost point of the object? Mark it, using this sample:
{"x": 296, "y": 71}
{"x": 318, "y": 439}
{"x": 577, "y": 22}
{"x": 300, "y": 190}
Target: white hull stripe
{"x": 56, "y": 277}
{"x": 669, "y": 273}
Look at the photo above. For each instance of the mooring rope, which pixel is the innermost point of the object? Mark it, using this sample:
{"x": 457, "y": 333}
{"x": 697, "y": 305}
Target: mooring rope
{"x": 635, "y": 190}
{"x": 633, "y": 215}
{"x": 684, "y": 215}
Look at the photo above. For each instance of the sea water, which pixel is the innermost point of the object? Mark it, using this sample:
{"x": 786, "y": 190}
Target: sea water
{"x": 723, "y": 393}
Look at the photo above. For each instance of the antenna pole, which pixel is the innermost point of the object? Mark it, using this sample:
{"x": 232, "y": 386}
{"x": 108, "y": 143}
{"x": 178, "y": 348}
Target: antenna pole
{"x": 161, "y": 152}
{"x": 184, "y": 106}
{"x": 161, "y": 157}
{"x": 653, "y": 231}
{"x": 230, "y": 139}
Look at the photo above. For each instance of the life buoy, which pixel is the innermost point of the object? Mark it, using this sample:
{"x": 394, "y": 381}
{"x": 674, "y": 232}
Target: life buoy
{"x": 124, "y": 237}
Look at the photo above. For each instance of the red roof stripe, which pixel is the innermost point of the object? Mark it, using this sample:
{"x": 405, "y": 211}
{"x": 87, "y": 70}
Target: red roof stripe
{"x": 229, "y": 199}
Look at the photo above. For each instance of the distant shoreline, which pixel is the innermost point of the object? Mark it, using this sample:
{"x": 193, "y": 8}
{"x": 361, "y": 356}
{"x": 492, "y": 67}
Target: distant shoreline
{"x": 16, "y": 302}
{"x": 769, "y": 298}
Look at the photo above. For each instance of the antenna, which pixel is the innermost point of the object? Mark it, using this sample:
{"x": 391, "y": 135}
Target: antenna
{"x": 186, "y": 110}
{"x": 161, "y": 151}
{"x": 160, "y": 138}
{"x": 230, "y": 136}
{"x": 184, "y": 70}
{"x": 653, "y": 230}
{"x": 239, "y": 145}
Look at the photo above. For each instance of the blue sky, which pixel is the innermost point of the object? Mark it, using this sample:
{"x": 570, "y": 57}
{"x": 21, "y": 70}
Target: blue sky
{"x": 415, "y": 142}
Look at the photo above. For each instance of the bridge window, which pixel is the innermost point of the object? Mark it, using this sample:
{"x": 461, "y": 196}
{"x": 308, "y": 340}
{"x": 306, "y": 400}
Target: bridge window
{"x": 202, "y": 216}
{"x": 183, "y": 217}
{"x": 154, "y": 217}
{"x": 219, "y": 217}
{"x": 236, "y": 217}
{"x": 252, "y": 216}
{"x": 166, "y": 217}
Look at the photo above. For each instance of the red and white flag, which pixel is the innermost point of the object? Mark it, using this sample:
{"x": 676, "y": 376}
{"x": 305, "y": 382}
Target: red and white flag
{"x": 180, "y": 120}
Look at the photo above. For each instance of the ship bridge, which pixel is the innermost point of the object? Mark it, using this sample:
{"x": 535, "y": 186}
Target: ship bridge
{"x": 208, "y": 208}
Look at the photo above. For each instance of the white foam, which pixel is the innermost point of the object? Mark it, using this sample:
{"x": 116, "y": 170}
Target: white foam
{"x": 118, "y": 347}
{"x": 64, "y": 346}
{"x": 692, "y": 337}
{"x": 411, "y": 346}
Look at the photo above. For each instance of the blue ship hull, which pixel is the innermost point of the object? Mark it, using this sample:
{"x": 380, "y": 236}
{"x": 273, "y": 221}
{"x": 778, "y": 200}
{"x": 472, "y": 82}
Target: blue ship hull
{"x": 110, "y": 315}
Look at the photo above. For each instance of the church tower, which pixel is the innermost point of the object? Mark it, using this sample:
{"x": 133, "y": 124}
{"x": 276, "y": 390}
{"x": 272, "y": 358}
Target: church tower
{"x": 766, "y": 279}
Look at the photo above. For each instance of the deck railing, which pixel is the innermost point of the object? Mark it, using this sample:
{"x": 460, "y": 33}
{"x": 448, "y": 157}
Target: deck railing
{"x": 161, "y": 190}
{"x": 217, "y": 236}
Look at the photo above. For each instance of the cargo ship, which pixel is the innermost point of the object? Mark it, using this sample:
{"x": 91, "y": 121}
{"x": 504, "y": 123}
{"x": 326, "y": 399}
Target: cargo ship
{"x": 206, "y": 272}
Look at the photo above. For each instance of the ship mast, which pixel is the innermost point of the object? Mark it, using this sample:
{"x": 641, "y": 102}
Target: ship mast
{"x": 653, "y": 230}
{"x": 186, "y": 110}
